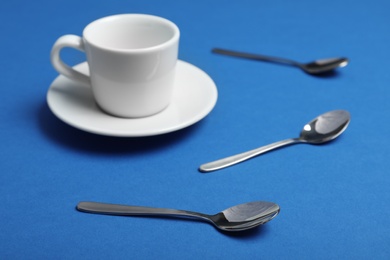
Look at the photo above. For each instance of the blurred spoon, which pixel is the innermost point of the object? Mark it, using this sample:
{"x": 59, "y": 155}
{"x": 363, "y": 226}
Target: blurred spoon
{"x": 238, "y": 218}
{"x": 324, "y": 128}
{"x": 315, "y": 67}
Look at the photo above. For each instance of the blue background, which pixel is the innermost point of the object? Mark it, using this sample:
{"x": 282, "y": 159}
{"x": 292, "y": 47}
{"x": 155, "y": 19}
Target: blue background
{"x": 334, "y": 198}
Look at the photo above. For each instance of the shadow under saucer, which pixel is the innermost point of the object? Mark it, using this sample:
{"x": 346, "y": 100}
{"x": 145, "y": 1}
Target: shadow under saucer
{"x": 73, "y": 138}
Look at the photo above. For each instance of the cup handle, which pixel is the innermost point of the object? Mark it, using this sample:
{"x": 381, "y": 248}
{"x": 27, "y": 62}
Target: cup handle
{"x": 72, "y": 41}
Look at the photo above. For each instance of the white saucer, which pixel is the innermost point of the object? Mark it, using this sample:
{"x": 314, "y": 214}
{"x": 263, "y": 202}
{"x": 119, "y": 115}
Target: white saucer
{"x": 194, "y": 97}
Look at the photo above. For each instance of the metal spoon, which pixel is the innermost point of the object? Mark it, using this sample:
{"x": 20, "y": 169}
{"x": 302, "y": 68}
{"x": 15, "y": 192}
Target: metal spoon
{"x": 324, "y": 128}
{"x": 237, "y": 218}
{"x": 316, "y": 67}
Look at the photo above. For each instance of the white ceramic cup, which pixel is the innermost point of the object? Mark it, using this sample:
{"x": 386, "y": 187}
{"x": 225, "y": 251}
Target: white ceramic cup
{"x": 131, "y": 58}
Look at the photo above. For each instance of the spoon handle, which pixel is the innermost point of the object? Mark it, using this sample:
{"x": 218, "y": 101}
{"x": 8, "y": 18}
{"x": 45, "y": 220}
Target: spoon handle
{"x": 125, "y": 210}
{"x": 231, "y": 160}
{"x": 255, "y": 56}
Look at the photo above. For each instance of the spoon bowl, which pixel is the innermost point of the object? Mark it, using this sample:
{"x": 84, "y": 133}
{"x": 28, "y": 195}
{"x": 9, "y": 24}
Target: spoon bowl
{"x": 322, "y": 129}
{"x": 245, "y": 216}
{"x": 323, "y": 66}
{"x": 325, "y": 127}
{"x": 316, "y": 67}
{"x": 237, "y": 218}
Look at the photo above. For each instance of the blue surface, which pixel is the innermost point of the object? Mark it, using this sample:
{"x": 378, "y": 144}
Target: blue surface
{"x": 334, "y": 198}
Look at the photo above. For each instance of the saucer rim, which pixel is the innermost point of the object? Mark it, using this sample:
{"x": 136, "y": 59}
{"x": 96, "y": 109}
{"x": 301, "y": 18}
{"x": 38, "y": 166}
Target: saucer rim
{"x": 202, "y": 113}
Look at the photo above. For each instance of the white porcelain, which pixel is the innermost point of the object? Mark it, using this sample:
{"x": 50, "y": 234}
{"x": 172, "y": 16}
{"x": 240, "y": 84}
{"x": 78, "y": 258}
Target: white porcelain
{"x": 194, "y": 96}
{"x": 132, "y": 60}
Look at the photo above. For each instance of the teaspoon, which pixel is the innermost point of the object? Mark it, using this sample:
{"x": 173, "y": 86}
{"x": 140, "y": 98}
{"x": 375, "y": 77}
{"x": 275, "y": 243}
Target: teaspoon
{"x": 315, "y": 67}
{"x": 323, "y": 128}
{"x": 237, "y": 218}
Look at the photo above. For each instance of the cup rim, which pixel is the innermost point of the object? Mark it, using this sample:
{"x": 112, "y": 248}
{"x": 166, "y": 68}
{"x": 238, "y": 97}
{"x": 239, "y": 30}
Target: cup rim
{"x": 163, "y": 45}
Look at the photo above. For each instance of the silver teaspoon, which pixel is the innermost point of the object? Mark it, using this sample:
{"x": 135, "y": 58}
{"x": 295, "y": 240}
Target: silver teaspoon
{"x": 316, "y": 67}
{"x": 237, "y": 218}
{"x": 323, "y": 128}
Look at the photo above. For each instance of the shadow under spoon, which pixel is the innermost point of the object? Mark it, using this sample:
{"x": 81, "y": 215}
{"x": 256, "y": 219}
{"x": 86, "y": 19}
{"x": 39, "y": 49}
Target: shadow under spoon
{"x": 322, "y": 129}
{"x": 320, "y": 66}
{"x": 237, "y": 218}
